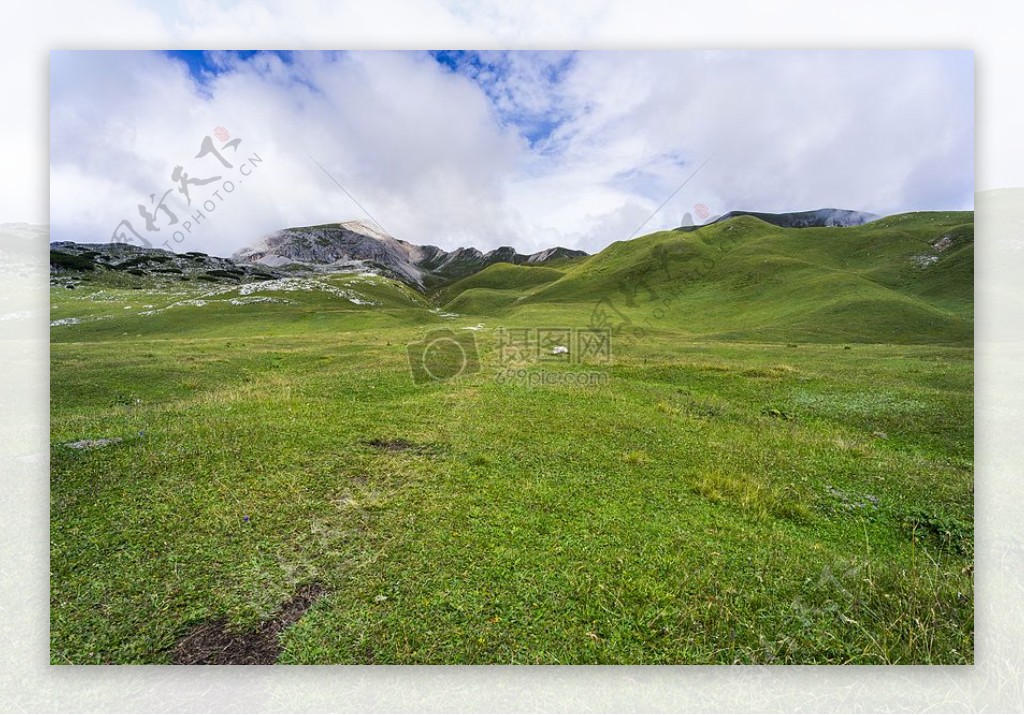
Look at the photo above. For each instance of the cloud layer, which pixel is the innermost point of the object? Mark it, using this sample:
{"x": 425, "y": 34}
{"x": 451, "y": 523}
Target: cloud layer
{"x": 499, "y": 148}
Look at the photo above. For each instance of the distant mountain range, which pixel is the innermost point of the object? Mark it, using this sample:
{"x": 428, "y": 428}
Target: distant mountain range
{"x": 343, "y": 247}
{"x": 355, "y": 245}
{"x": 819, "y": 218}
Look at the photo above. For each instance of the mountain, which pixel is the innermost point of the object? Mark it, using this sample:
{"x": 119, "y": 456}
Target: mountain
{"x": 74, "y": 263}
{"x": 904, "y": 278}
{"x": 351, "y": 247}
{"x": 354, "y": 245}
{"x": 820, "y": 218}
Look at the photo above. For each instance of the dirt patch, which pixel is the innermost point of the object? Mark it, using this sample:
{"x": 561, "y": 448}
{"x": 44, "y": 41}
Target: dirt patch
{"x": 212, "y": 643}
{"x": 392, "y": 445}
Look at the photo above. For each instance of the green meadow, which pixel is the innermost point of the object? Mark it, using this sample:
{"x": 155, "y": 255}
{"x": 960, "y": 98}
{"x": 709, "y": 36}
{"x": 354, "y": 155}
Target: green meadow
{"x": 775, "y": 465}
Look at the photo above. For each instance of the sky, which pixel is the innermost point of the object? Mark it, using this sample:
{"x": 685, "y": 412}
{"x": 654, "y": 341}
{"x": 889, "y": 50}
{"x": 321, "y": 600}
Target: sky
{"x": 492, "y": 148}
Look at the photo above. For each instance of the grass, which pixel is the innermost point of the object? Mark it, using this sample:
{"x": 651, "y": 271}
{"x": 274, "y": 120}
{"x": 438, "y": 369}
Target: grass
{"x": 502, "y": 276}
{"x": 747, "y": 280}
{"x": 713, "y": 501}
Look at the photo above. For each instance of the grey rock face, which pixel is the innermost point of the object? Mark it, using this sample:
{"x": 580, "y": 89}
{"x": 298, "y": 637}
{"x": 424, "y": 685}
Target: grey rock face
{"x": 803, "y": 219}
{"x": 343, "y": 247}
{"x": 355, "y": 245}
{"x": 70, "y": 261}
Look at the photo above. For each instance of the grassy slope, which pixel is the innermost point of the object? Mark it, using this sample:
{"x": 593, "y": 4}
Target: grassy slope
{"x": 709, "y": 502}
{"x": 383, "y": 302}
{"x": 495, "y": 289}
{"x": 745, "y": 279}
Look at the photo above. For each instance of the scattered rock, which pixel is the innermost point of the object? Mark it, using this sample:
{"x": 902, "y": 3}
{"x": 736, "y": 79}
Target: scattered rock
{"x": 850, "y": 502}
{"x": 943, "y": 243}
{"x": 93, "y": 443}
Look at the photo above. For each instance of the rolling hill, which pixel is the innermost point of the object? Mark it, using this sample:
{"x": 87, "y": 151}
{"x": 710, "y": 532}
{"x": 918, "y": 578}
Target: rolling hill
{"x": 905, "y": 278}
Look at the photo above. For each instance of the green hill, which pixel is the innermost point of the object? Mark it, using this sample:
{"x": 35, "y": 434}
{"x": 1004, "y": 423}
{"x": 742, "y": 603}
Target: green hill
{"x": 288, "y": 306}
{"x": 903, "y": 279}
{"x": 495, "y": 288}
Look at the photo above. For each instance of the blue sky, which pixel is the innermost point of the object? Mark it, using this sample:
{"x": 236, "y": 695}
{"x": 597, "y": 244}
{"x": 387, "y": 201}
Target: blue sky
{"x": 494, "y": 71}
{"x": 203, "y": 65}
{"x": 490, "y": 148}
{"x": 489, "y": 70}
{"x": 199, "y": 64}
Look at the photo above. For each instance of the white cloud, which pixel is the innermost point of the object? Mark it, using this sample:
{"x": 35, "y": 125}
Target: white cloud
{"x": 525, "y": 149}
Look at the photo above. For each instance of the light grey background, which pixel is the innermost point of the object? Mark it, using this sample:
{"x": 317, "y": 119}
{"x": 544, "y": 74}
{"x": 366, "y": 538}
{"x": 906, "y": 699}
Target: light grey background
{"x": 30, "y": 30}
